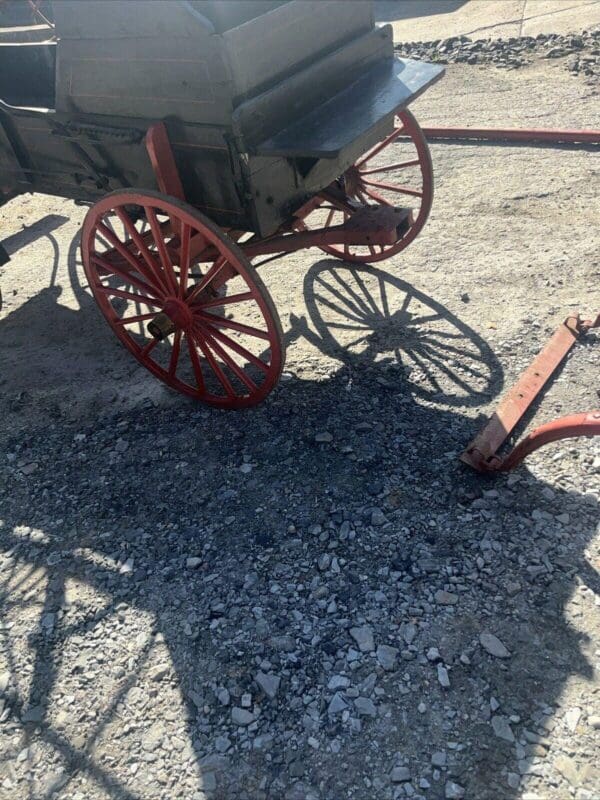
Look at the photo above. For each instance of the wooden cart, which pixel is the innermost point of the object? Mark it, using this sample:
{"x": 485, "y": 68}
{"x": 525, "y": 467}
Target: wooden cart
{"x": 206, "y": 134}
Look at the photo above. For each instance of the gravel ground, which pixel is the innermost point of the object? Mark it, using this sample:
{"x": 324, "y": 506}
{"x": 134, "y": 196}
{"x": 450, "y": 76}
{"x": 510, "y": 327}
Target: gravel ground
{"x": 583, "y": 51}
{"x": 313, "y": 598}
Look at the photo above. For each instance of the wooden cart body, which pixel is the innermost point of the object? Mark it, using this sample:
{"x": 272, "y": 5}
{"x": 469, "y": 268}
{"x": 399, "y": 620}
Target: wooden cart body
{"x": 265, "y": 102}
{"x": 204, "y": 134}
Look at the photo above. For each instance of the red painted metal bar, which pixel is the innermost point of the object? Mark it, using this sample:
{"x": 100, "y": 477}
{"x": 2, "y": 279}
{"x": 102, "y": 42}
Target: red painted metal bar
{"x": 564, "y": 428}
{"x": 515, "y": 135}
{"x": 481, "y": 453}
{"x": 163, "y": 161}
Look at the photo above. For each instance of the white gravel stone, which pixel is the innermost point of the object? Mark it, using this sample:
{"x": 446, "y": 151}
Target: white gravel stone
{"x": 453, "y": 791}
{"x": 502, "y": 729}
{"x": 387, "y": 656}
{"x": 446, "y": 598}
{"x": 572, "y": 718}
{"x": 442, "y": 675}
{"x": 365, "y": 707}
{"x": 242, "y": 717}
{"x": 337, "y": 704}
{"x": 269, "y": 683}
{"x": 400, "y": 775}
{"x": 363, "y": 636}
{"x": 492, "y": 645}
{"x": 338, "y": 682}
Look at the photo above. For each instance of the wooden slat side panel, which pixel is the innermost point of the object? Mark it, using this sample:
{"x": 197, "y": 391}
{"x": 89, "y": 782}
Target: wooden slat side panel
{"x": 118, "y": 19}
{"x": 274, "y": 45}
{"x": 55, "y": 166}
{"x": 147, "y": 78}
{"x": 270, "y": 112}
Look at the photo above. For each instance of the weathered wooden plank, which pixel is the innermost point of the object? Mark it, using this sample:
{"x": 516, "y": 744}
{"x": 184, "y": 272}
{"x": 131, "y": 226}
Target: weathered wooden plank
{"x": 348, "y": 116}
{"x": 268, "y": 113}
{"x": 275, "y": 44}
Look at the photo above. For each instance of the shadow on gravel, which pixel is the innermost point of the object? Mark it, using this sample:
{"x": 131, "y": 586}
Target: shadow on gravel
{"x": 29, "y": 233}
{"x": 295, "y": 543}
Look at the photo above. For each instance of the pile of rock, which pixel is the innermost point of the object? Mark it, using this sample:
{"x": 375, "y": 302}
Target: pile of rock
{"x": 583, "y": 51}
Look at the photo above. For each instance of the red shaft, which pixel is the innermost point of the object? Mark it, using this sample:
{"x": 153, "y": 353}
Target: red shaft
{"x": 563, "y": 428}
{"x": 515, "y": 135}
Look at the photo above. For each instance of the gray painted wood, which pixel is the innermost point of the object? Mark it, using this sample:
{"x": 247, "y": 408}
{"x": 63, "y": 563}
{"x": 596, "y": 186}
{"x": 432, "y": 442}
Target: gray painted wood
{"x": 349, "y": 115}
{"x": 272, "y": 46}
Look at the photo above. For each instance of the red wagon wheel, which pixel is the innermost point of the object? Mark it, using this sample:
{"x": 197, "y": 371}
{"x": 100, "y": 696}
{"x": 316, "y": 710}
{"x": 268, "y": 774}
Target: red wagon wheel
{"x": 183, "y": 298}
{"x": 402, "y": 179}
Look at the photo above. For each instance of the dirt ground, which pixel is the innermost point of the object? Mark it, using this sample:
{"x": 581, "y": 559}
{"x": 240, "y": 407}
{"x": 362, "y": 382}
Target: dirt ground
{"x": 123, "y": 654}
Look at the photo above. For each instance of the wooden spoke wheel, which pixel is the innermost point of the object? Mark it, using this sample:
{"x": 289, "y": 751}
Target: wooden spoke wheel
{"x": 396, "y": 172}
{"x": 183, "y": 298}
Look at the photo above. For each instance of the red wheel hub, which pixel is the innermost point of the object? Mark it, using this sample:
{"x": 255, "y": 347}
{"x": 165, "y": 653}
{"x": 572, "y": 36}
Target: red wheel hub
{"x": 179, "y": 313}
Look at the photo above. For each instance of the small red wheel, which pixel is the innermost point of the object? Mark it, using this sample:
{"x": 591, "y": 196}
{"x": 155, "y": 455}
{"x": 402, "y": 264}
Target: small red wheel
{"x": 183, "y": 298}
{"x": 377, "y": 179}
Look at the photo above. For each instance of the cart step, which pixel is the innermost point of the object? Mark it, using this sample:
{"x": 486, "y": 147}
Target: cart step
{"x": 326, "y": 130}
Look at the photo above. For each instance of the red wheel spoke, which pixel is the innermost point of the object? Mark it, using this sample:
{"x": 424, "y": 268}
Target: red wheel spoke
{"x": 195, "y": 363}
{"x": 154, "y": 273}
{"x": 126, "y": 276}
{"x": 125, "y": 254}
{"x": 379, "y": 147}
{"x": 162, "y": 248}
{"x": 222, "y": 378}
{"x": 184, "y": 259}
{"x": 390, "y": 187}
{"x": 378, "y": 198}
{"x": 345, "y": 245}
{"x": 175, "y": 354}
{"x": 362, "y": 197}
{"x": 206, "y": 279}
{"x": 148, "y": 348}
{"x": 137, "y": 318}
{"x": 224, "y": 301}
{"x": 225, "y": 357}
{"x": 388, "y": 167}
{"x": 136, "y": 298}
{"x": 237, "y": 348}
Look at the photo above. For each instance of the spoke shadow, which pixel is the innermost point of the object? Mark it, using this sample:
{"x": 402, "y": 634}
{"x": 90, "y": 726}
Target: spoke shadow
{"x": 367, "y": 318}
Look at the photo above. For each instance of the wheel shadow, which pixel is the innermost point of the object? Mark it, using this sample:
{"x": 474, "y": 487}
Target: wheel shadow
{"x": 366, "y": 317}
{"x": 115, "y": 645}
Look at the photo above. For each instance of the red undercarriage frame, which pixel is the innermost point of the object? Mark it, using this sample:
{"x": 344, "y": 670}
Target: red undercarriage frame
{"x": 482, "y": 452}
{"x": 369, "y": 226}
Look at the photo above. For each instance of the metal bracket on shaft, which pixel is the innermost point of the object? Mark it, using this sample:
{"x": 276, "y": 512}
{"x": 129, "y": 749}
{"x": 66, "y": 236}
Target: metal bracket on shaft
{"x": 482, "y": 452}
